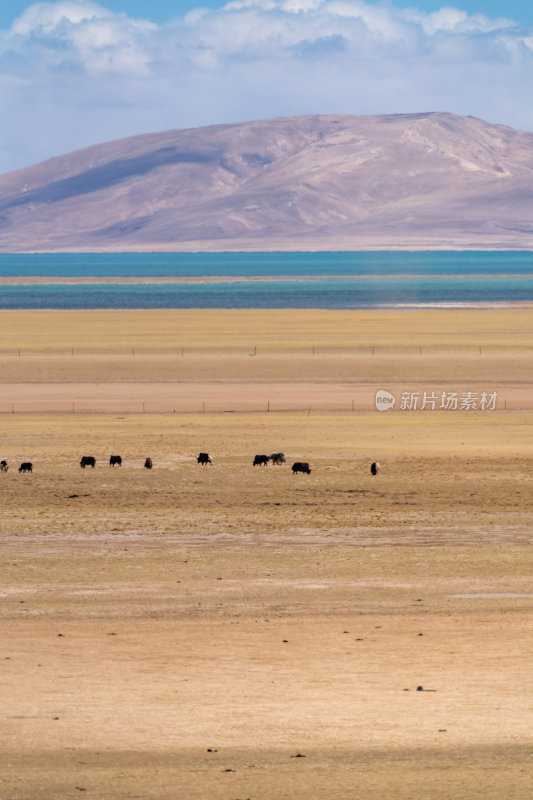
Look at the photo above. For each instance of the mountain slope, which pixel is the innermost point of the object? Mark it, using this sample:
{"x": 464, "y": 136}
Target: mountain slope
{"x": 316, "y": 182}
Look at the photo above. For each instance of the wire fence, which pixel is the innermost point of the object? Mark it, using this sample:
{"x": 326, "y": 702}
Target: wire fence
{"x": 254, "y": 350}
{"x": 137, "y": 407}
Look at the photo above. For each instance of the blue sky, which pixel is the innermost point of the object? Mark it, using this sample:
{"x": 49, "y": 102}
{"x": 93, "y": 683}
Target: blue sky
{"x": 161, "y": 11}
{"x": 78, "y": 72}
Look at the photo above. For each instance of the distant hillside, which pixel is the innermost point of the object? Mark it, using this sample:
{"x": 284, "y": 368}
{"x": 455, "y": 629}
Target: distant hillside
{"x": 317, "y": 182}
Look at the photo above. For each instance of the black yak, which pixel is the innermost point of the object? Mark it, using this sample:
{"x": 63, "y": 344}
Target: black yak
{"x": 301, "y": 466}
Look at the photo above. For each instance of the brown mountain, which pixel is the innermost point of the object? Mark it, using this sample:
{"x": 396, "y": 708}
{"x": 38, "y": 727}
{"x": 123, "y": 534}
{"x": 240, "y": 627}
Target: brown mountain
{"x": 331, "y": 182}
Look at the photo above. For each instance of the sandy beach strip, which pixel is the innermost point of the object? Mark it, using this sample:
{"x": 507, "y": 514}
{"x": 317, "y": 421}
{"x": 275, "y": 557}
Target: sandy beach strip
{"x": 154, "y": 280}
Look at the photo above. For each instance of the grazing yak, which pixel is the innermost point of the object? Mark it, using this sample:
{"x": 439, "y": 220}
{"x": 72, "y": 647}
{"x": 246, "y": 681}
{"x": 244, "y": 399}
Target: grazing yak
{"x": 301, "y": 466}
{"x": 148, "y": 463}
{"x": 3, "y": 466}
{"x": 204, "y": 459}
{"x": 277, "y": 458}
{"x": 262, "y": 461}
{"x": 88, "y": 461}
{"x": 374, "y": 468}
{"x": 115, "y": 460}
{"x": 26, "y": 466}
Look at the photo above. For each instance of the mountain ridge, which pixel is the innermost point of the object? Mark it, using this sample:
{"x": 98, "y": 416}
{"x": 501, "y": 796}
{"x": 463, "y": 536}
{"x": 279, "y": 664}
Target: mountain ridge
{"x": 430, "y": 180}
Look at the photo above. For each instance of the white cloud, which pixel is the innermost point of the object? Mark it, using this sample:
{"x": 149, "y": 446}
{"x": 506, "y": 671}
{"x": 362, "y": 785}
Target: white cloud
{"x": 454, "y": 20}
{"x": 52, "y": 35}
{"x": 78, "y": 73}
{"x": 46, "y": 18}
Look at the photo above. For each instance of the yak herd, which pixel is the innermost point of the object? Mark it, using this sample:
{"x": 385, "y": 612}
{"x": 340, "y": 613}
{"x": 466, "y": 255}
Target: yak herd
{"x": 203, "y": 459}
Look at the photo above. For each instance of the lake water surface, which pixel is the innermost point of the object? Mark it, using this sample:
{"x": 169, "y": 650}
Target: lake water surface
{"x": 292, "y": 280}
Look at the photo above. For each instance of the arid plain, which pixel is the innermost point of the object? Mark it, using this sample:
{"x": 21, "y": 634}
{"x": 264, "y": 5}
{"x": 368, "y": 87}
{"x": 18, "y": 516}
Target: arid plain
{"x": 232, "y": 632}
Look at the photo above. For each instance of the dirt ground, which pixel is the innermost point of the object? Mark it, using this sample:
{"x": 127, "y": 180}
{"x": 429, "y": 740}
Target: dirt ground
{"x": 236, "y": 632}
{"x": 190, "y": 361}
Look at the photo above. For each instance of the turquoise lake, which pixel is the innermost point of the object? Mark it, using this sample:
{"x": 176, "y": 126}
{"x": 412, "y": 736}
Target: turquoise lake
{"x": 292, "y": 280}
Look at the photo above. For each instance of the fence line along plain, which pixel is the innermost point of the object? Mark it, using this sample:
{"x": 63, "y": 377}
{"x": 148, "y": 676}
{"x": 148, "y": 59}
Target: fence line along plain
{"x": 300, "y": 350}
{"x": 339, "y": 405}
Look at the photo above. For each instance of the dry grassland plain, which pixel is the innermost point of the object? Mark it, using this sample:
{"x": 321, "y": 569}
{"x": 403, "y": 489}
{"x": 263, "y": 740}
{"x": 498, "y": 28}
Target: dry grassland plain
{"x": 230, "y": 632}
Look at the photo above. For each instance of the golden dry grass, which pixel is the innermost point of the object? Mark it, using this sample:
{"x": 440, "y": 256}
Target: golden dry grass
{"x": 167, "y": 331}
{"x": 254, "y": 360}
{"x": 187, "y": 632}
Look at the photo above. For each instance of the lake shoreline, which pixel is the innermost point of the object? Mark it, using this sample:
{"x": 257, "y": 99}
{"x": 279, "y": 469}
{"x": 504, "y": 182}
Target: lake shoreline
{"x": 155, "y": 280}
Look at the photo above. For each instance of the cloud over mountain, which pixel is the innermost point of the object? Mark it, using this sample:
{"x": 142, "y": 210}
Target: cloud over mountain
{"x": 77, "y": 73}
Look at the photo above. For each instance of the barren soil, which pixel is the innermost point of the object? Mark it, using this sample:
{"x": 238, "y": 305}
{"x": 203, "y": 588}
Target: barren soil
{"x": 236, "y": 632}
